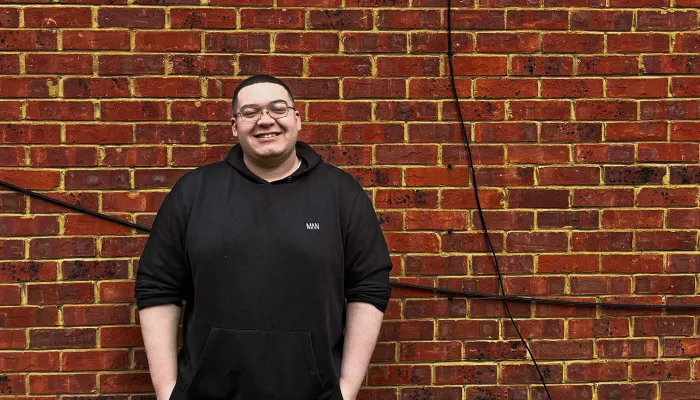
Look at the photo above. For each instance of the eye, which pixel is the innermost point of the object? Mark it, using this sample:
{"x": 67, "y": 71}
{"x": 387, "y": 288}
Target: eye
{"x": 278, "y": 108}
{"x": 249, "y": 112}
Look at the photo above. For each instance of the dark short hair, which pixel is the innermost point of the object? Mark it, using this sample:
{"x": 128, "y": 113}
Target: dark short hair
{"x": 252, "y": 80}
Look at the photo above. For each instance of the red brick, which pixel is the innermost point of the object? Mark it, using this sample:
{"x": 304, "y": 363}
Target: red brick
{"x": 627, "y": 348}
{"x": 594, "y": 285}
{"x": 684, "y": 218}
{"x": 542, "y": 65}
{"x": 597, "y": 110}
{"x": 421, "y": 351}
{"x": 536, "y": 198}
{"x": 289, "y": 42}
{"x": 95, "y": 87}
{"x": 594, "y": 20}
{"x": 687, "y": 42}
{"x": 637, "y": 88}
{"x": 412, "y": 242}
{"x": 431, "y": 308}
{"x": 434, "y": 88}
{"x": 567, "y": 263}
{"x": 356, "y": 42}
{"x": 596, "y": 371}
{"x": 608, "y": 65}
{"x": 437, "y": 176}
{"x": 679, "y": 390}
{"x": 562, "y": 349}
{"x": 666, "y": 240}
{"x": 18, "y": 40}
{"x": 494, "y": 351}
{"x": 347, "y": 111}
{"x": 512, "y": 264}
{"x": 685, "y": 175}
{"x": 603, "y": 153}
{"x": 406, "y": 154}
{"x": 176, "y": 41}
{"x": 601, "y": 241}
{"x": 210, "y": 18}
{"x": 236, "y": 42}
{"x": 467, "y": 329}
{"x": 571, "y": 88}
{"x": 480, "y": 65}
{"x": 534, "y": 286}
{"x": 506, "y": 132}
{"x": 354, "y": 88}
{"x": 478, "y": 19}
{"x": 9, "y": 17}
{"x": 663, "y": 326}
{"x": 436, "y": 42}
{"x": 408, "y": 19}
{"x": 636, "y": 131}
{"x": 638, "y": 43}
{"x": 666, "y": 20}
{"x": 53, "y": 17}
{"x": 598, "y": 328}
{"x": 58, "y": 63}
{"x": 98, "y": 133}
{"x": 470, "y": 242}
{"x": 465, "y": 374}
{"x": 408, "y": 66}
{"x": 498, "y": 88}
{"x": 9, "y": 64}
{"x": 526, "y": 373}
{"x": 537, "y": 241}
{"x": 668, "y": 152}
{"x": 539, "y": 20}
{"x": 671, "y": 64}
{"x": 683, "y": 263}
{"x": 339, "y": 19}
{"x": 438, "y": 220}
{"x": 681, "y": 347}
{"x": 195, "y": 110}
{"x": 406, "y": 111}
{"x": 560, "y": 176}
{"x": 572, "y": 43}
{"x": 130, "y": 64}
{"x": 508, "y": 42}
{"x": 132, "y": 110}
{"x": 131, "y": 17}
{"x": 633, "y": 175}
{"x": 272, "y": 18}
{"x": 505, "y": 220}
{"x": 540, "y": 110}
{"x": 399, "y": 374}
{"x": 536, "y": 154}
{"x": 60, "y": 110}
{"x": 685, "y": 86}
{"x": 167, "y": 87}
{"x": 464, "y": 198}
{"x": 95, "y": 360}
{"x": 475, "y": 110}
{"x": 568, "y": 219}
{"x": 63, "y": 156}
{"x": 632, "y": 263}
{"x": 620, "y": 219}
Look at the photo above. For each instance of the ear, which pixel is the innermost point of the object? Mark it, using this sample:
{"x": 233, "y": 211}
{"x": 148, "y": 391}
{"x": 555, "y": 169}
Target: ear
{"x": 234, "y": 128}
{"x": 298, "y": 119}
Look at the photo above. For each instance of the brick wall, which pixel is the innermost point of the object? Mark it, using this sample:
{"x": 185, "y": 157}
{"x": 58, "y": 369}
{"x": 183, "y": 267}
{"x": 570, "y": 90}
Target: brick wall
{"x": 584, "y": 115}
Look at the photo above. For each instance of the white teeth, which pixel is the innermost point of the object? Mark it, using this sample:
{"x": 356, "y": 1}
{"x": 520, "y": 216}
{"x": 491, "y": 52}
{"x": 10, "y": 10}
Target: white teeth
{"x": 268, "y": 135}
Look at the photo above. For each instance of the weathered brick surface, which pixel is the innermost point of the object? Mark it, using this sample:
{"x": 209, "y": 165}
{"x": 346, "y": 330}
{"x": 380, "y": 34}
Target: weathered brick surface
{"x": 584, "y": 117}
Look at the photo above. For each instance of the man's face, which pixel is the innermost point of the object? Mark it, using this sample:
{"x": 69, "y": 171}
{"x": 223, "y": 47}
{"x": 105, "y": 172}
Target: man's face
{"x": 249, "y": 133}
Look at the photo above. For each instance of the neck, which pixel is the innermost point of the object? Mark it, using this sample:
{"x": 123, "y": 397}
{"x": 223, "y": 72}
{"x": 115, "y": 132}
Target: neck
{"x": 272, "y": 171}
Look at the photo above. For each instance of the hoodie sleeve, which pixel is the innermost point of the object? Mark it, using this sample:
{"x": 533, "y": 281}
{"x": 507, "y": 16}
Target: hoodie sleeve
{"x": 163, "y": 270}
{"x": 367, "y": 261}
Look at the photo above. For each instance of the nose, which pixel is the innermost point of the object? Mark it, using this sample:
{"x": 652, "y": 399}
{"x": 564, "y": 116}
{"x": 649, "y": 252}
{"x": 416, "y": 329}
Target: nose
{"x": 265, "y": 114}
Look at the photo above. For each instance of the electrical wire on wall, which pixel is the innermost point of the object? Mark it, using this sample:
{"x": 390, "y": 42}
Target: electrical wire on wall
{"x": 448, "y": 292}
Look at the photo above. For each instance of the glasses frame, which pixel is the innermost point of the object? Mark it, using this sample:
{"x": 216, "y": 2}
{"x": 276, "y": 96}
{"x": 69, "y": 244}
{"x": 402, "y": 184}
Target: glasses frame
{"x": 266, "y": 108}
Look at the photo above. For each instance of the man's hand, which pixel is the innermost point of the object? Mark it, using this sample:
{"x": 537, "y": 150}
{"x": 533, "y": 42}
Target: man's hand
{"x": 166, "y": 393}
{"x": 345, "y": 391}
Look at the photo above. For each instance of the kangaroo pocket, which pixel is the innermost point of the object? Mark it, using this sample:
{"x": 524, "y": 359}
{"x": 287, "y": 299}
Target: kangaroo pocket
{"x": 251, "y": 364}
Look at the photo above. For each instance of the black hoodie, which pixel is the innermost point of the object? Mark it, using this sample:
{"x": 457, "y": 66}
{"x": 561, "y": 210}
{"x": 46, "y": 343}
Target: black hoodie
{"x": 265, "y": 269}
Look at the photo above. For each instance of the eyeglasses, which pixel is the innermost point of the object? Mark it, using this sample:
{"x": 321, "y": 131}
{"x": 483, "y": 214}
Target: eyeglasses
{"x": 276, "y": 110}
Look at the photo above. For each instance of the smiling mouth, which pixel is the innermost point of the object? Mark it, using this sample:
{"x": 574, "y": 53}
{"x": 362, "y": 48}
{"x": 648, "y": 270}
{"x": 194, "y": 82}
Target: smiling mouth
{"x": 267, "y": 135}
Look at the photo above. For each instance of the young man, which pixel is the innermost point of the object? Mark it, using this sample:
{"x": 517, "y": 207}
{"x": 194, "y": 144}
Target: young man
{"x": 281, "y": 260}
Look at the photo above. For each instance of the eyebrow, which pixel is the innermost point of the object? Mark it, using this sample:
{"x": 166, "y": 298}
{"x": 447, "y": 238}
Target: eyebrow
{"x": 273, "y": 101}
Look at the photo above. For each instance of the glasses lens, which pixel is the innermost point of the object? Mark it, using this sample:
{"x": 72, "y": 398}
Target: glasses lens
{"x": 278, "y": 110}
{"x": 250, "y": 113}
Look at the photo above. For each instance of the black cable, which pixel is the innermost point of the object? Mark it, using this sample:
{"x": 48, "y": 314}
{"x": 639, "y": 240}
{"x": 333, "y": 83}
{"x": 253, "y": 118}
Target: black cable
{"x": 476, "y": 194}
{"x": 453, "y": 293}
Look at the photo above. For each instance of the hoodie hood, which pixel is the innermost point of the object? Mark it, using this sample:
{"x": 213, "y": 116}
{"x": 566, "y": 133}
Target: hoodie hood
{"x": 309, "y": 160}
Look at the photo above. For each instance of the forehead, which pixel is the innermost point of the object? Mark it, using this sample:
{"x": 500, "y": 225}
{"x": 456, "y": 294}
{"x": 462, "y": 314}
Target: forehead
{"x": 262, "y": 93}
